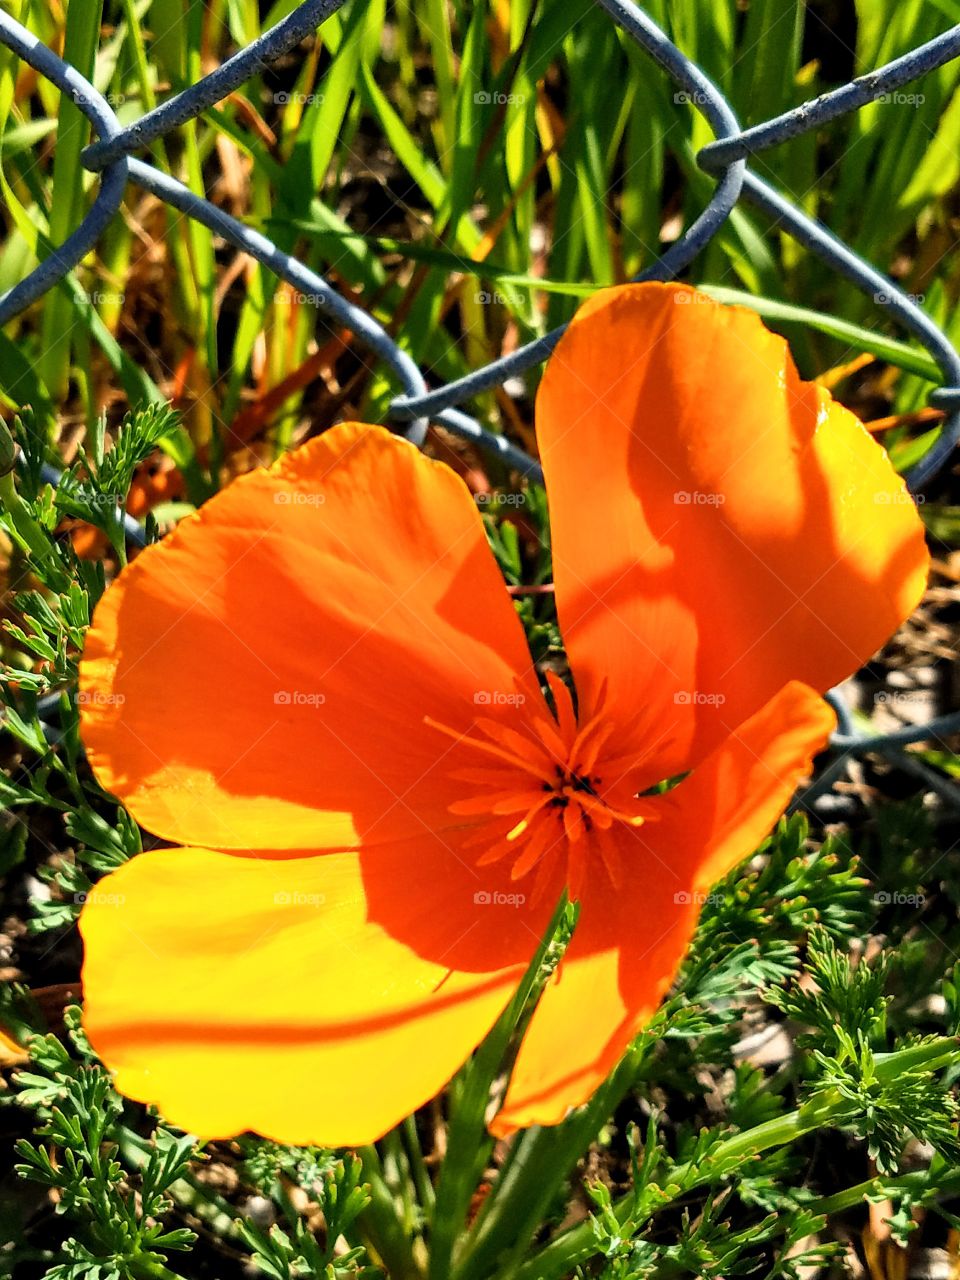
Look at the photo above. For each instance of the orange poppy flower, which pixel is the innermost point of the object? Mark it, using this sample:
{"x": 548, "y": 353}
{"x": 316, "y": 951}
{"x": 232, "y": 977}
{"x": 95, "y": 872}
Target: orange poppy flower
{"x": 318, "y": 685}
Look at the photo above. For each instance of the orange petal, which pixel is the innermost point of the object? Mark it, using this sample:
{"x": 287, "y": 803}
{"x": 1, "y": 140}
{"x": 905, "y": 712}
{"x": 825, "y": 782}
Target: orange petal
{"x": 630, "y": 938}
{"x": 312, "y": 999}
{"x": 719, "y": 527}
{"x": 259, "y": 679}
{"x": 11, "y": 1051}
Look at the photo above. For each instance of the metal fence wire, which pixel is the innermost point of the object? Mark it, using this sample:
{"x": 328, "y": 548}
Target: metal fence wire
{"x": 112, "y": 157}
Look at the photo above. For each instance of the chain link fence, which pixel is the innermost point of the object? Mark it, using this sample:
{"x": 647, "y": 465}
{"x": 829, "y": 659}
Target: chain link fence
{"x": 113, "y": 157}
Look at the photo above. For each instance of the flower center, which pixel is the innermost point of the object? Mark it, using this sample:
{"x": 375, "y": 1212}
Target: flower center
{"x": 546, "y": 787}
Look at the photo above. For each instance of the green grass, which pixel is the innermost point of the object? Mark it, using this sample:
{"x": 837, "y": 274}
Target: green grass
{"x": 490, "y": 130}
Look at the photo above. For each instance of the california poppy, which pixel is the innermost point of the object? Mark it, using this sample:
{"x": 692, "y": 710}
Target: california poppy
{"x": 319, "y": 686}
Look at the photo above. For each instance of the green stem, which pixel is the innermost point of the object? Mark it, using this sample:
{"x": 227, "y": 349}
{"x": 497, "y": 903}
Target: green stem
{"x": 915, "y": 1183}
{"x": 398, "y": 1177}
{"x": 578, "y": 1244}
{"x": 941, "y": 1052}
{"x": 418, "y": 1167}
{"x": 468, "y": 1145}
{"x": 381, "y": 1223}
{"x": 541, "y": 1165}
{"x": 30, "y": 536}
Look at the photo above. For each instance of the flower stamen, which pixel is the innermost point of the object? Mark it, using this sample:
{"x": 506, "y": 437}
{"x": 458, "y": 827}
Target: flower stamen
{"x": 570, "y": 809}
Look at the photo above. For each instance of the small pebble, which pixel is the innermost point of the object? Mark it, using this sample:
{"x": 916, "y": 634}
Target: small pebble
{"x": 260, "y": 1211}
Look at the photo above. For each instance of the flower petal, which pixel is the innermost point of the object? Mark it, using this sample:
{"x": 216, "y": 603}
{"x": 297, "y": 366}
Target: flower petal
{"x": 719, "y": 526}
{"x": 312, "y": 999}
{"x": 259, "y": 679}
{"x": 630, "y": 938}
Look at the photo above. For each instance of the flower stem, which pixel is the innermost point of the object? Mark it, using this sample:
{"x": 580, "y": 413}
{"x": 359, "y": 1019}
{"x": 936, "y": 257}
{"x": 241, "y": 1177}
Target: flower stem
{"x": 916, "y": 1183}
{"x": 382, "y": 1223}
{"x": 578, "y": 1244}
{"x": 29, "y": 535}
{"x": 542, "y": 1160}
{"x": 931, "y": 1056}
{"x": 418, "y": 1167}
{"x": 468, "y": 1145}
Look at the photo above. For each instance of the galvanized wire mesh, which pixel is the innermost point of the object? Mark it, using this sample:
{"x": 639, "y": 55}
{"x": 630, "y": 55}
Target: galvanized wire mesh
{"x": 112, "y": 156}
